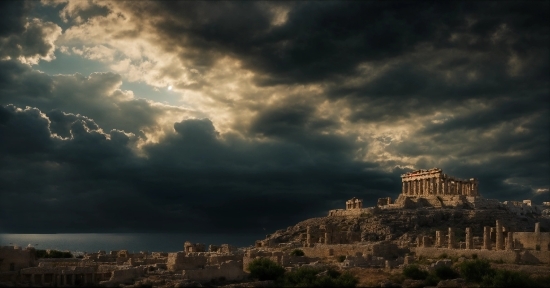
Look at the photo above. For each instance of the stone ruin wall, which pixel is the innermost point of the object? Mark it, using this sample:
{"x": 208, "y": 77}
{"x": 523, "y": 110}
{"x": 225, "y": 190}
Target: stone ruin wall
{"x": 282, "y": 258}
{"x": 329, "y": 234}
{"x": 386, "y": 250}
{"x": 499, "y": 243}
{"x": 15, "y": 258}
{"x": 230, "y": 271}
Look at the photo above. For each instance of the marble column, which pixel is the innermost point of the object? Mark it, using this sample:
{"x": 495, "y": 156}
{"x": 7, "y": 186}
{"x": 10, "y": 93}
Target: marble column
{"x": 403, "y": 188}
{"x": 469, "y": 239}
{"x": 499, "y": 236}
{"x": 451, "y": 243}
{"x": 487, "y": 237}
{"x": 438, "y": 239}
{"x": 427, "y": 191}
{"x": 510, "y": 241}
{"x": 327, "y": 238}
{"x": 42, "y": 279}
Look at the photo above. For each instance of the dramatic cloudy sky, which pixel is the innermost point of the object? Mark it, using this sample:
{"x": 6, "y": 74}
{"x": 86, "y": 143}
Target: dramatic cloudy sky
{"x": 219, "y": 117}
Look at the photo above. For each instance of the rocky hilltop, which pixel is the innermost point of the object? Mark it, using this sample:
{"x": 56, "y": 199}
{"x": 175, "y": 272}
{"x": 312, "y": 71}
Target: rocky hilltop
{"x": 406, "y": 224}
{"x": 430, "y": 201}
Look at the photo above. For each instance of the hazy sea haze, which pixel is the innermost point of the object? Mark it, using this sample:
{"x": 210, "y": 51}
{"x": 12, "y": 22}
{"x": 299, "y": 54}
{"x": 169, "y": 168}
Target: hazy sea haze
{"x": 151, "y": 242}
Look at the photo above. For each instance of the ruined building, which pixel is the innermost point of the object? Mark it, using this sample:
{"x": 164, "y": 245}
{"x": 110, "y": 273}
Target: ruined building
{"x": 434, "y": 182}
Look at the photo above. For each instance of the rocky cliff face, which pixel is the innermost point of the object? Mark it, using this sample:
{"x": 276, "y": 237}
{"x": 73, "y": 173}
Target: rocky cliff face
{"x": 404, "y": 225}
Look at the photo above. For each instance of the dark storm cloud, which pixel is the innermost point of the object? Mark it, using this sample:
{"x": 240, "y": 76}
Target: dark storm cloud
{"x": 192, "y": 180}
{"x": 13, "y": 17}
{"x": 97, "y": 96}
{"x": 469, "y": 80}
{"x": 22, "y": 37}
{"x": 320, "y": 40}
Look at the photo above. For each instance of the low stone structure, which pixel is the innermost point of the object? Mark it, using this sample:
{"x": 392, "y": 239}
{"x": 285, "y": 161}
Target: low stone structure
{"x": 15, "y": 258}
{"x": 511, "y": 247}
{"x": 193, "y": 247}
{"x": 224, "y": 248}
{"x": 228, "y": 271}
{"x": 354, "y": 203}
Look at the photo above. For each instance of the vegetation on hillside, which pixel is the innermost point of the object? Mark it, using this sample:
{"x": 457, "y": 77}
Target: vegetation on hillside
{"x": 297, "y": 252}
{"x": 53, "y": 254}
{"x": 266, "y": 269}
{"x": 477, "y": 271}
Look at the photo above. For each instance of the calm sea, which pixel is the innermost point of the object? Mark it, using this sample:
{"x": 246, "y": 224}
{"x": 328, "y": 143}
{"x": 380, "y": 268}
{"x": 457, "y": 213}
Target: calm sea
{"x": 151, "y": 242}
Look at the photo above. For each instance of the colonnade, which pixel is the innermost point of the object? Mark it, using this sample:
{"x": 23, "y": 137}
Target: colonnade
{"x": 354, "y": 203}
{"x": 434, "y": 182}
{"x": 55, "y": 279}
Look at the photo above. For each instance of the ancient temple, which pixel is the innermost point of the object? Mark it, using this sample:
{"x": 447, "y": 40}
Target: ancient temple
{"x": 434, "y": 182}
{"x": 354, "y": 203}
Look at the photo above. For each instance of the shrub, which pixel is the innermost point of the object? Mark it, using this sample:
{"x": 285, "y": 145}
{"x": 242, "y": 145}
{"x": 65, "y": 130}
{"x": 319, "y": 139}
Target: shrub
{"x": 542, "y": 281}
{"x": 474, "y": 271}
{"x": 265, "y": 269}
{"x": 309, "y": 277}
{"x": 346, "y": 280}
{"x": 445, "y": 273}
{"x": 443, "y": 256}
{"x": 537, "y": 247}
{"x": 341, "y": 258}
{"x": 297, "y": 252}
{"x": 431, "y": 280}
{"x": 474, "y": 256}
{"x": 53, "y": 254}
{"x": 505, "y": 278}
{"x": 413, "y": 272}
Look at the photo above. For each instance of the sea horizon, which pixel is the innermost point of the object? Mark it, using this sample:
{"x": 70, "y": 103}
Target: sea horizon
{"x": 133, "y": 242}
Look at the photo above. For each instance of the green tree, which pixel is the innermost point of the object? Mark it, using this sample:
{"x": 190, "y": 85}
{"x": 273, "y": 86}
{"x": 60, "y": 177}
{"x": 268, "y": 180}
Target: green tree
{"x": 414, "y": 272}
{"x": 475, "y": 270}
{"x": 265, "y": 269}
{"x": 297, "y": 252}
{"x": 506, "y": 278}
{"x": 53, "y": 254}
{"x": 317, "y": 277}
{"x": 445, "y": 273}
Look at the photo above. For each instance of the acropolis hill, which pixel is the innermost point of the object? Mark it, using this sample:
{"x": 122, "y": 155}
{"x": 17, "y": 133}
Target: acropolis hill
{"x": 433, "y": 207}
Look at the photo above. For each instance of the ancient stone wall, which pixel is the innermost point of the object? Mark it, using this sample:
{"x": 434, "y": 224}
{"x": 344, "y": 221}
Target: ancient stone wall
{"x": 352, "y": 212}
{"x": 15, "y": 258}
{"x": 508, "y": 256}
{"x": 532, "y": 240}
{"x": 179, "y": 261}
{"x": 124, "y": 276}
{"x": 218, "y": 259}
{"x": 193, "y": 247}
{"x": 387, "y": 250}
{"x": 230, "y": 271}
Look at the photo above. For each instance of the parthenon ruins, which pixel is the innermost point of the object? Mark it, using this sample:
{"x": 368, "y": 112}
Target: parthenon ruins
{"x": 434, "y": 182}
